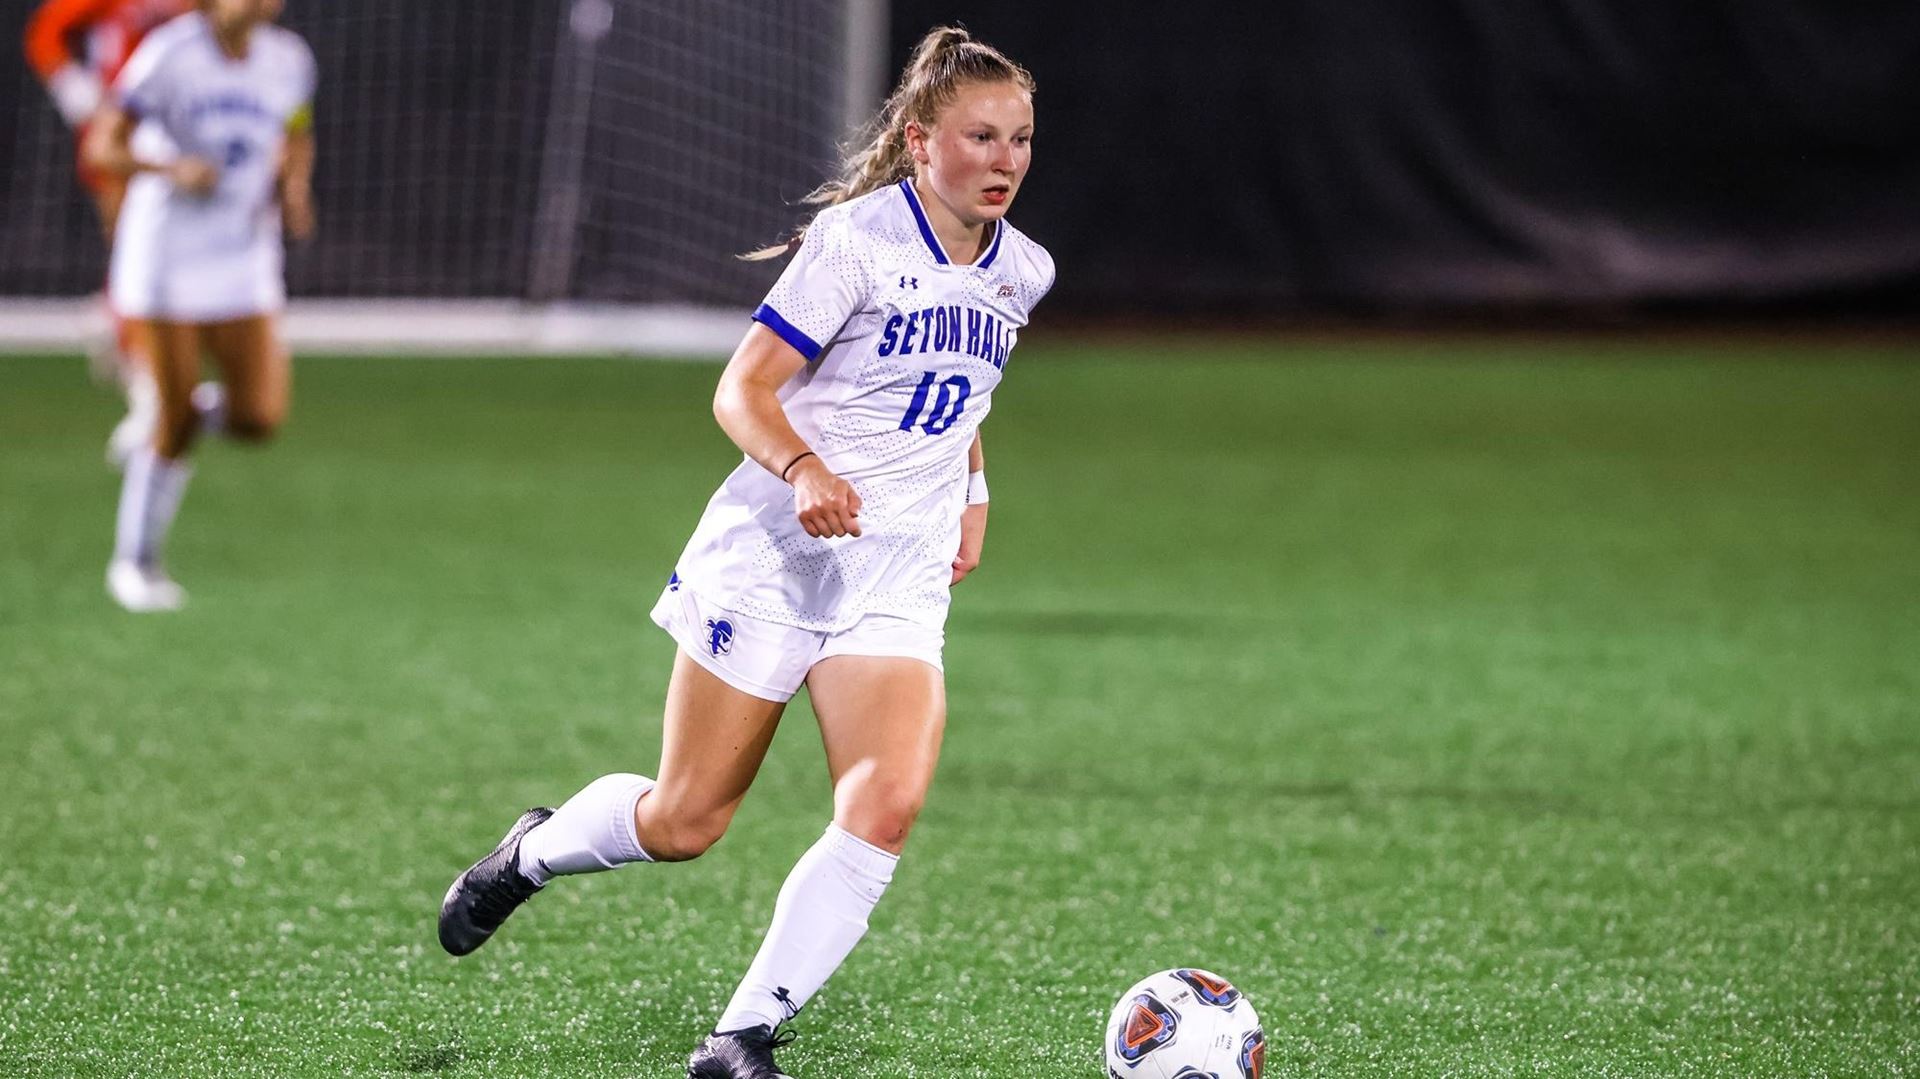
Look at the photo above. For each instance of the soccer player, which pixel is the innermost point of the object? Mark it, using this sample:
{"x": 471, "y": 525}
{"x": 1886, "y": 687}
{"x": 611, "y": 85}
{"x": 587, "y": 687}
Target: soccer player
{"x": 826, "y": 558}
{"x": 77, "y": 48}
{"x": 212, "y": 120}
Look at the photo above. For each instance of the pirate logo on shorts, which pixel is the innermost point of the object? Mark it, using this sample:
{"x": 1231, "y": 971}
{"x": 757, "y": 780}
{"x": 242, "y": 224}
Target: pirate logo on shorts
{"x": 719, "y": 636}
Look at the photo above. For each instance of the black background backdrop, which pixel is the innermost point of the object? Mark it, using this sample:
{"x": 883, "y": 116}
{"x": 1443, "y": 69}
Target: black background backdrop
{"x": 1360, "y": 155}
{"x": 1303, "y": 158}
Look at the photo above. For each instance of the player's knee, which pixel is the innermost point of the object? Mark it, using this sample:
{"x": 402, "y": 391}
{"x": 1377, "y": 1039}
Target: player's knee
{"x": 253, "y": 427}
{"x": 681, "y": 837}
{"x": 884, "y": 813}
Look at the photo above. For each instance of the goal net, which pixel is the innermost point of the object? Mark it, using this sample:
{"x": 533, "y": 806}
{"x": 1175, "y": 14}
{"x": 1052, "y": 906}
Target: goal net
{"x": 568, "y": 169}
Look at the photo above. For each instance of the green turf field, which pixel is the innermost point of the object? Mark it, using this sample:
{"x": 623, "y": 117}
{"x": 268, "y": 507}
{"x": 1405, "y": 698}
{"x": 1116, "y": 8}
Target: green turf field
{"x": 1480, "y": 711}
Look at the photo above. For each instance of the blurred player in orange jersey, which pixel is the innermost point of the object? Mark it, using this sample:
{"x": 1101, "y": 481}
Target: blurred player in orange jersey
{"x": 77, "y": 47}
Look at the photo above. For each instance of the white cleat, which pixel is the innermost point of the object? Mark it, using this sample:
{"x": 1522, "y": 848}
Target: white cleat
{"x": 143, "y": 589}
{"x": 136, "y": 428}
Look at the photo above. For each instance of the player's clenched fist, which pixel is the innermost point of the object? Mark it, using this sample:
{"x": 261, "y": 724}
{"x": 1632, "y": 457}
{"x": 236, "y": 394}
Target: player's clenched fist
{"x": 825, "y": 504}
{"x": 194, "y": 175}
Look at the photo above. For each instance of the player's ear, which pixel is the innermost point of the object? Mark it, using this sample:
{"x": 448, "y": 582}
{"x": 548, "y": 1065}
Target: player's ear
{"x": 916, "y": 137}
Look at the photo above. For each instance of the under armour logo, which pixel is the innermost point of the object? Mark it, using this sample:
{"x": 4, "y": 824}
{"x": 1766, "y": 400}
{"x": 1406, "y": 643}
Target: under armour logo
{"x": 786, "y": 1001}
{"x": 909, "y": 282}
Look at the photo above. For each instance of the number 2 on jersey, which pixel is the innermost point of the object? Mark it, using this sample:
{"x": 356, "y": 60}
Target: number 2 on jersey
{"x": 948, "y": 402}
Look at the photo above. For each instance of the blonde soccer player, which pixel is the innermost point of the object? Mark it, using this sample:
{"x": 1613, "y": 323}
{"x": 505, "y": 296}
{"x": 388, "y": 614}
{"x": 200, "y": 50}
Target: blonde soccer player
{"x": 827, "y": 557}
{"x": 212, "y": 120}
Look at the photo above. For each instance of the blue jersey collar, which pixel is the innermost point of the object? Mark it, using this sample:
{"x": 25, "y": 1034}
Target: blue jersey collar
{"x": 933, "y": 242}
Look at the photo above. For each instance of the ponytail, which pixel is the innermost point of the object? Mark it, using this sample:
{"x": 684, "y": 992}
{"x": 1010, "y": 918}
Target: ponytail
{"x": 945, "y": 60}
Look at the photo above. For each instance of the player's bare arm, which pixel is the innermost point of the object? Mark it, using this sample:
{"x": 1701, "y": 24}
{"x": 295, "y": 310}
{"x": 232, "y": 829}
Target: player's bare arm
{"x": 973, "y": 520}
{"x": 109, "y": 148}
{"x": 747, "y": 406}
{"x": 296, "y": 177}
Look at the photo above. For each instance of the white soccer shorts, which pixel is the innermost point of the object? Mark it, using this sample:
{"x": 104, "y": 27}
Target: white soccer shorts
{"x": 770, "y": 660}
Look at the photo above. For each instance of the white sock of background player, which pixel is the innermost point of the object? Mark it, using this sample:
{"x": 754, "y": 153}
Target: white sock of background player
{"x": 210, "y": 407}
{"x": 150, "y": 493}
{"x": 209, "y": 400}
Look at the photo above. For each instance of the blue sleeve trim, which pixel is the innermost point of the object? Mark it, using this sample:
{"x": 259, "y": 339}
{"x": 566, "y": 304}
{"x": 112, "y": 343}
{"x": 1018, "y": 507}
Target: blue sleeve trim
{"x": 804, "y": 345}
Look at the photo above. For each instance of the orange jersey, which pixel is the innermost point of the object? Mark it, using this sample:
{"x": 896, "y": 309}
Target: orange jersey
{"x": 106, "y": 31}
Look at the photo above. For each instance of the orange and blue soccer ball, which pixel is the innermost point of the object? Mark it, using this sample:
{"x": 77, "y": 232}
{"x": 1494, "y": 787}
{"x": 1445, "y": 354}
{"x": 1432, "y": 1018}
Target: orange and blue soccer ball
{"x": 1185, "y": 1023}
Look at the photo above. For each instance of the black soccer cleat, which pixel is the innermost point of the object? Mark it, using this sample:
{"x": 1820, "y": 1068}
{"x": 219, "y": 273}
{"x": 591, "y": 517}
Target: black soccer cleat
{"x": 739, "y": 1054}
{"x": 490, "y": 889}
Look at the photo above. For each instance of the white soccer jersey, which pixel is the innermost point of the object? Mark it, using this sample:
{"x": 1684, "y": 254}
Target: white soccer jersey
{"x": 905, "y": 349}
{"x": 194, "y": 257}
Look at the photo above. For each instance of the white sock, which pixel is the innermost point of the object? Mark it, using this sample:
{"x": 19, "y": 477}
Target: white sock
{"x": 210, "y": 407}
{"x": 820, "y": 915}
{"x": 591, "y": 832}
{"x": 150, "y": 495}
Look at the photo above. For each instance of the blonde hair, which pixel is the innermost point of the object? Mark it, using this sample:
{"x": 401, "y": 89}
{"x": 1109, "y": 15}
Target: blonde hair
{"x": 947, "y": 59}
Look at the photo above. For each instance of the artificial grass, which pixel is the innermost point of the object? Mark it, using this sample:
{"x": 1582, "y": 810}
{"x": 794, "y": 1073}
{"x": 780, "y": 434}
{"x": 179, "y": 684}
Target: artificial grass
{"x": 1479, "y": 712}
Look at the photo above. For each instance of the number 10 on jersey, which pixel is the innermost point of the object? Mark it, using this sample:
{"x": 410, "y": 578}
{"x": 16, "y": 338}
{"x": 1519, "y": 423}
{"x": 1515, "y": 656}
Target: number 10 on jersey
{"x": 949, "y": 399}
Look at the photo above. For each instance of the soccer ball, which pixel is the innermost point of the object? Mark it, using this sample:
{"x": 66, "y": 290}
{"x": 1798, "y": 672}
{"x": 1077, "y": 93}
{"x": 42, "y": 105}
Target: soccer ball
{"x": 1185, "y": 1024}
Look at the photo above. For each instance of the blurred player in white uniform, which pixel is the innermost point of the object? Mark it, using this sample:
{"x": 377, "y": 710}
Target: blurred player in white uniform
{"x": 826, "y": 558}
{"x": 212, "y": 119}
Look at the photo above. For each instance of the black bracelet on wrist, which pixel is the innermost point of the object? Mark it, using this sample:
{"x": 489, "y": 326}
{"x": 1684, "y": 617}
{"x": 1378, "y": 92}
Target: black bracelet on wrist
{"x": 795, "y": 461}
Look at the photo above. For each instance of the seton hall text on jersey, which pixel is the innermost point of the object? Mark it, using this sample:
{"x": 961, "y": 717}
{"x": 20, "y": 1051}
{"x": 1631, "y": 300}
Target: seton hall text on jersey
{"x": 948, "y": 328}
{"x": 228, "y": 103}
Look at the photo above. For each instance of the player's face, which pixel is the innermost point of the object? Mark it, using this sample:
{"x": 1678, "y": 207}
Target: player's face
{"x": 978, "y": 150}
{"x": 230, "y": 15}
